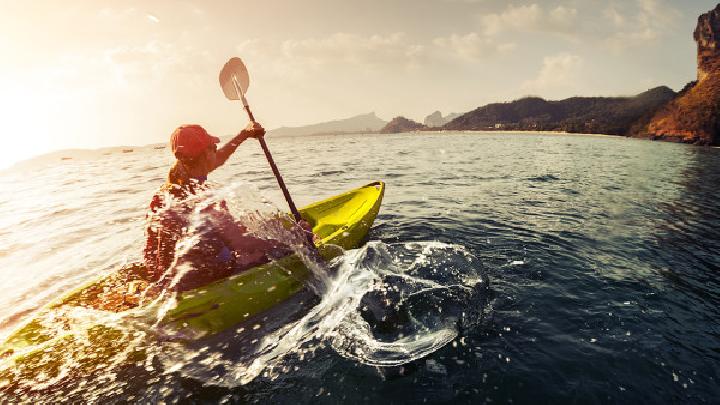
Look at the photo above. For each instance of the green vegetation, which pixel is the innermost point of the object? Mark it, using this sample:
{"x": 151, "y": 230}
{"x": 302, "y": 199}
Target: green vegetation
{"x": 605, "y": 115}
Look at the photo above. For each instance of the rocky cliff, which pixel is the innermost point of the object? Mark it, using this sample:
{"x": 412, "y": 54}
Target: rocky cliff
{"x": 436, "y": 119}
{"x": 692, "y": 117}
{"x": 706, "y": 35}
{"x": 401, "y": 124}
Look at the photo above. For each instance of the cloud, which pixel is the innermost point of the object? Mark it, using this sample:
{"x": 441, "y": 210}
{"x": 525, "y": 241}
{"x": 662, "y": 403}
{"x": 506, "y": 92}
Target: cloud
{"x": 352, "y": 48}
{"x": 560, "y": 74}
{"x": 614, "y": 16}
{"x": 471, "y": 46}
{"x": 156, "y": 62}
{"x": 530, "y": 17}
{"x": 295, "y": 57}
{"x": 652, "y": 19}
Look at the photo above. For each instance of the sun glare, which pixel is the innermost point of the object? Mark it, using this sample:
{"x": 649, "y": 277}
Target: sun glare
{"x": 26, "y": 131}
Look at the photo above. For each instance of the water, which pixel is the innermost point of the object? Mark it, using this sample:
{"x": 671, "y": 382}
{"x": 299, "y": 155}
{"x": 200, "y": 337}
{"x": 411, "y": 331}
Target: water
{"x": 601, "y": 256}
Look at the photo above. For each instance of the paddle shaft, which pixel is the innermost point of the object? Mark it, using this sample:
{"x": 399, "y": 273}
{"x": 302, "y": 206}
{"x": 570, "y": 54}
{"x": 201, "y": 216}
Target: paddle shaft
{"x": 270, "y": 160}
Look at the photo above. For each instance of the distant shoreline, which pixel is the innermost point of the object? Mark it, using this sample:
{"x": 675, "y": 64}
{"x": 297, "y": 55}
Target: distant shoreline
{"x": 508, "y": 132}
{"x": 489, "y": 131}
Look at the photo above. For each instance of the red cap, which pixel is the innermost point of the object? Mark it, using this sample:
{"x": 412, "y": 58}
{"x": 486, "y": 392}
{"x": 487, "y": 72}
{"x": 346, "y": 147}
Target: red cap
{"x": 190, "y": 141}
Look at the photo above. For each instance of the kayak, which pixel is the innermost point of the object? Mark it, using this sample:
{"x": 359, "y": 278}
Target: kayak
{"x": 41, "y": 346}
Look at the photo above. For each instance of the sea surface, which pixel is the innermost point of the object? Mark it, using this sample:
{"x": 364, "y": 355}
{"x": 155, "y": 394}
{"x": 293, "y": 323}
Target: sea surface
{"x": 502, "y": 268}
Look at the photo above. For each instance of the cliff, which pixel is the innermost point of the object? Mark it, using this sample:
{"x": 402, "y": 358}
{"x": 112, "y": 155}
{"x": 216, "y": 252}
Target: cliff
{"x": 357, "y": 124}
{"x": 401, "y": 124}
{"x": 436, "y": 119}
{"x": 706, "y": 36}
{"x": 692, "y": 117}
{"x": 606, "y": 115}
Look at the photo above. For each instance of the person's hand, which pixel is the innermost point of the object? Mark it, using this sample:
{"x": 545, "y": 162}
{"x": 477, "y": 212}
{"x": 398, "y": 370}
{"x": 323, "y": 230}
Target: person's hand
{"x": 305, "y": 225}
{"x": 254, "y": 130}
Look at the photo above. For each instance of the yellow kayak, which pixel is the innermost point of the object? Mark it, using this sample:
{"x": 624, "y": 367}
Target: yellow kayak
{"x": 45, "y": 344}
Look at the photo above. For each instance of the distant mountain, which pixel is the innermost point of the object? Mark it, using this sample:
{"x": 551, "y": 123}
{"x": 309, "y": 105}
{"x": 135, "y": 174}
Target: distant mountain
{"x": 605, "y": 115}
{"x": 401, "y": 124}
{"x": 357, "y": 124}
{"x": 694, "y": 115}
{"x": 436, "y": 120}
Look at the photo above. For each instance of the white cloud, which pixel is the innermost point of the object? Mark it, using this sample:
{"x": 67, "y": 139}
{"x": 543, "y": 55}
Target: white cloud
{"x": 352, "y": 48}
{"x": 614, "y": 16}
{"x": 530, "y": 17}
{"x": 562, "y": 18}
{"x": 295, "y": 57}
{"x": 647, "y": 25}
{"x": 471, "y": 46}
{"x": 560, "y": 74}
{"x": 156, "y": 62}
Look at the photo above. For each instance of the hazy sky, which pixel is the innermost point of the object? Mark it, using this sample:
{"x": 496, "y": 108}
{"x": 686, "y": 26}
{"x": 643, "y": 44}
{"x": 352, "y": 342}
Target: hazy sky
{"x": 100, "y": 73}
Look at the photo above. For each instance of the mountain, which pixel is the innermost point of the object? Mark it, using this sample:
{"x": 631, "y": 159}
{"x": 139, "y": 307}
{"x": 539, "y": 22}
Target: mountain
{"x": 694, "y": 115}
{"x": 606, "y": 115}
{"x": 436, "y": 119}
{"x": 401, "y": 124}
{"x": 360, "y": 123}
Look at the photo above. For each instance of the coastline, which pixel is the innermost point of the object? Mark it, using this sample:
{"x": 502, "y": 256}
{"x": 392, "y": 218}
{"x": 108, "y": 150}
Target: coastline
{"x": 66, "y": 155}
{"x": 509, "y": 132}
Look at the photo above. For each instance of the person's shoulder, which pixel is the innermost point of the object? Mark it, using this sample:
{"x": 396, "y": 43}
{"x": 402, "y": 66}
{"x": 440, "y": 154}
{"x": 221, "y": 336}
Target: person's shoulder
{"x": 164, "y": 194}
{"x": 169, "y": 190}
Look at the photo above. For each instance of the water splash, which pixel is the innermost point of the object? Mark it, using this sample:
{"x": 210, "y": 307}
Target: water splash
{"x": 385, "y": 305}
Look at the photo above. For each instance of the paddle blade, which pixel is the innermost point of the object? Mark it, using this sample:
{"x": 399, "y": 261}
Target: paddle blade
{"x": 234, "y": 68}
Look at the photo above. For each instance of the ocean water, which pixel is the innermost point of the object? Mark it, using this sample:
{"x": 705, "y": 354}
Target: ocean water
{"x": 501, "y": 268}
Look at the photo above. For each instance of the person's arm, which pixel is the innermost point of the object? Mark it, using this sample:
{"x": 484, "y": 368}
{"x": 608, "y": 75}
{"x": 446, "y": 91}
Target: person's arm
{"x": 235, "y": 235}
{"x": 253, "y": 130}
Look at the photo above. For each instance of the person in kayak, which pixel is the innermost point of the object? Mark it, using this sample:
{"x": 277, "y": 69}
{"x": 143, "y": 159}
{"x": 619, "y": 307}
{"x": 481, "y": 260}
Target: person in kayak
{"x": 224, "y": 246}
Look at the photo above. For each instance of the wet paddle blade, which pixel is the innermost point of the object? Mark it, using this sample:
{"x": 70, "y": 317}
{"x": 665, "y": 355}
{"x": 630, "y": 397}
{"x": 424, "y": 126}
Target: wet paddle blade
{"x": 234, "y": 69}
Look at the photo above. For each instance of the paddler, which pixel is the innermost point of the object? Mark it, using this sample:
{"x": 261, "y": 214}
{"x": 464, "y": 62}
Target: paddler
{"x": 225, "y": 246}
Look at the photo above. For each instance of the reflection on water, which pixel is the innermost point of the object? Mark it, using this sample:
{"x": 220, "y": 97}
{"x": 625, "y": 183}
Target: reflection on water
{"x": 501, "y": 267}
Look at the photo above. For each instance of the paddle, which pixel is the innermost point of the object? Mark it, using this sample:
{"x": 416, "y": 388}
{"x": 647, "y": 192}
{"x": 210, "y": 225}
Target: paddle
{"x": 235, "y": 80}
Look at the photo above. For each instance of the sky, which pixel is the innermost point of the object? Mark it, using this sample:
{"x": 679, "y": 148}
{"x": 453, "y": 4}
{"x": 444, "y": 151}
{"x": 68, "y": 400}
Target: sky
{"x": 88, "y": 74}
